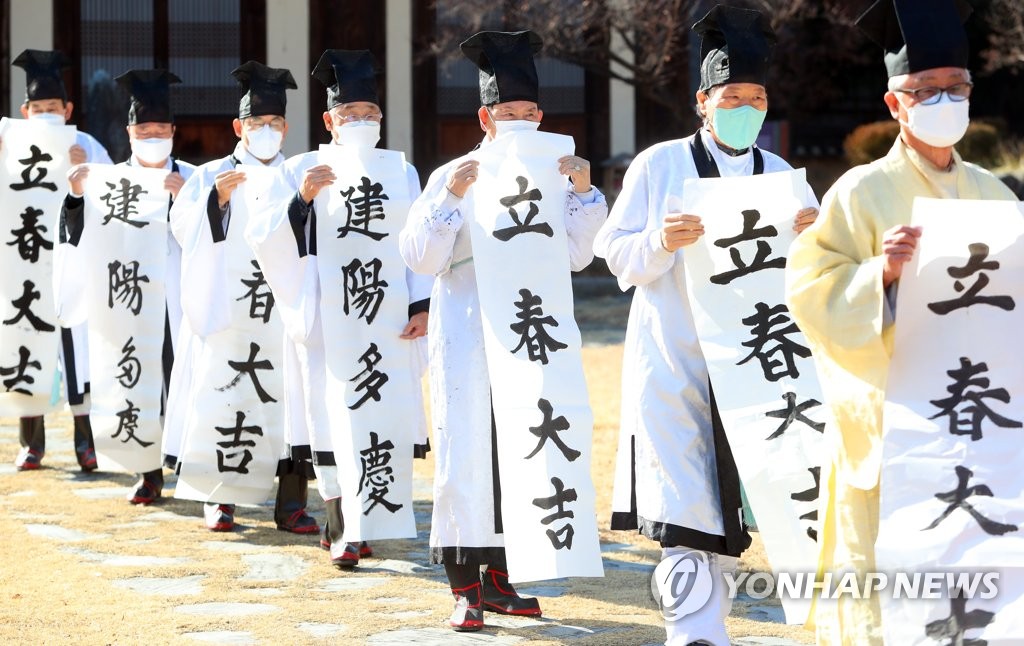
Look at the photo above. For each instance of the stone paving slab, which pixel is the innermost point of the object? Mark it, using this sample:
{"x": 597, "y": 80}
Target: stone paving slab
{"x": 62, "y": 534}
{"x": 176, "y": 586}
{"x": 273, "y": 567}
{"x": 322, "y": 631}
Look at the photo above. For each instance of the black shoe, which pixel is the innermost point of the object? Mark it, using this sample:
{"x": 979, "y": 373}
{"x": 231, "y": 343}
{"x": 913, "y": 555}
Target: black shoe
{"x": 219, "y": 518}
{"x": 148, "y": 488}
{"x": 502, "y": 598}
{"x": 32, "y": 435}
{"x": 468, "y": 615}
{"x": 290, "y": 506}
{"x": 85, "y": 450}
{"x": 347, "y": 557}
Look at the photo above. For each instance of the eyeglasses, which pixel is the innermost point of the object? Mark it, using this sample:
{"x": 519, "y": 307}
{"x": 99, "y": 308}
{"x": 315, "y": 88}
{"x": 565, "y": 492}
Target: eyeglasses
{"x": 931, "y": 95}
{"x": 253, "y": 123}
{"x": 352, "y": 118}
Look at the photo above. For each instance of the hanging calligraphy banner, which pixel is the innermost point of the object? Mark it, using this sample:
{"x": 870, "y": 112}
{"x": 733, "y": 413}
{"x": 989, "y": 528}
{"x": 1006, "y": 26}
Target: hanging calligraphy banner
{"x": 123, "y": 254}
{"x": 763, "y": 377}
{"x": 952, "y": 495}
{"x": 234, "y": 426}
{"x": 372, "y": 380}
{"x": 533, "y": 347}
{"x": 33, "y": 167}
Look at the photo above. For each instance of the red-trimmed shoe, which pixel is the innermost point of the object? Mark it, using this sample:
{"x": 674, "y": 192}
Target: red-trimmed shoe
{"x": 468, "y": 615}
{"x": 219, "y": 518}
{"x": 365, "y": 551}
{"x": 502, "y": 598}
{"x": 299, "y": 523}
{"x": 348, "y": 558}
{"x": 147, "y": 490}
{"x": 87, "y": 460}
{"x": 28, "y": 459}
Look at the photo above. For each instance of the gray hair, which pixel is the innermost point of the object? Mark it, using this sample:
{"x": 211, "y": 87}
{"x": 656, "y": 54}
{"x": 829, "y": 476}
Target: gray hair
{"x": 896, "y": 82}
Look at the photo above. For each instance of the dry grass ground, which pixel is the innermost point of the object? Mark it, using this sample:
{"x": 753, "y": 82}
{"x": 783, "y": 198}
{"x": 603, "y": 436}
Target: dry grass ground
{"x": 57, "y": 592}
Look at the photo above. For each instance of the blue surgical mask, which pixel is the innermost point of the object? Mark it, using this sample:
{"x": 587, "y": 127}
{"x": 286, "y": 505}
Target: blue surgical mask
{"x": 737, "y": 127}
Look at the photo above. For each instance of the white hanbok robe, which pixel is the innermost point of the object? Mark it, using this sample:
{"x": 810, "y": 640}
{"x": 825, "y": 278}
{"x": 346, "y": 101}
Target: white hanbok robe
{"x": 207, "y": 321}
{"x": 69, "y": 291}
{"x": 287, "y": 255}
{"x": 667, "y": 469}
{"x": 463, "y": 527}
{"x": 74, "y": 340}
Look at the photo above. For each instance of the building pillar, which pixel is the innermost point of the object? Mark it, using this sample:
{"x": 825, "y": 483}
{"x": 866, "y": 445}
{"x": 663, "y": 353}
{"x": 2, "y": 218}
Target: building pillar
{"x": 287, "y": 38}
{"x": 31, "y": 28}
{"x": 398, "y": 111}
{"x": 622, "y": 101}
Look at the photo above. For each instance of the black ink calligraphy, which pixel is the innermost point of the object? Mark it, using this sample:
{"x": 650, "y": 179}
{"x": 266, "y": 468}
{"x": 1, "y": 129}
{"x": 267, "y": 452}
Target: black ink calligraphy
{"x": 131, "y": 367}
{"x": 531, "y": 328}
{"x": 549, "y": 429}
{"x": 562, "y": 537}
{"x": 760, "y": 261}
{"x": 957, "y": 499}
{"x": 236, "y": 461}
{"x": 124, "y": 285}
{"x": 523, "y": 225}
{"x": 976, "y": 264}
{"x": 370, "y": 379}
{"x": 763, "y": 324}
{"x": 377, "y": 474}
{"x": 364, "y": 289}
{"x": 968, "y": 420}
{"x": 794, "y": 412}
{"x": 23, "y": 305}
{"x": 261, "y": 299}
{"x": 249, "y": 367}
{"x": 122, "y": 202}
{"x": 27, "y": 179}
{"x": 18, "y": 372}
{"x": 362, "y": 209}
{"x": 128, "y": 421}
{"x": 29, "y": 238}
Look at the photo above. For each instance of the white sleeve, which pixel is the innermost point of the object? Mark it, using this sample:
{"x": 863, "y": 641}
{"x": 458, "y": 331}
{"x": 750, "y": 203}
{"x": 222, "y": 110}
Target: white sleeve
{"x": 582, "y": 222}
{"x": 631, "y": 247}
{"x": 428, "y": 239}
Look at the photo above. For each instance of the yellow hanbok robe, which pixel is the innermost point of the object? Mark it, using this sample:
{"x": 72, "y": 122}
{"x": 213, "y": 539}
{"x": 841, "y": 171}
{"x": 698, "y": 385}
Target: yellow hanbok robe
{"x": 834, "y": 291}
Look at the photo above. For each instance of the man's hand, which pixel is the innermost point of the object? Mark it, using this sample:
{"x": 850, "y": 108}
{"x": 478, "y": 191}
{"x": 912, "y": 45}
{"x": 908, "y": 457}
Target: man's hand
{"x": 315, "y": 179}
{"x": 76, "y": 178}
{"x": 805, "y": 218}
{"x": 463, "y": 177}
{"x": 76, "y": 155}
{"x": 578, "y": 170}
{"x": 898, "y": 244}
{"x": 226, "y": 182}
{"x": 416, "y": 327}
{"x": 680, "y": 230}
{"x": 173, "y": 183}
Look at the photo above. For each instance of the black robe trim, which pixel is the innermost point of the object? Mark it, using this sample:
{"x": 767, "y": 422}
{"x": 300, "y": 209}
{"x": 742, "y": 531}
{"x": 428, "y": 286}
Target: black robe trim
{"x": 75, "y": 397}
{"x": 323, "y": 459}
{"x": 466, "y": 555}
{"x": 420, "y": 451}
{"x": 298, "y": 214}
{"x": 705, "y": 163}
{"x": 291, "y": 466}
{"x": 736, "y": 538}
{"x": 422, "y": 305}
{"x": 301, "y": 452}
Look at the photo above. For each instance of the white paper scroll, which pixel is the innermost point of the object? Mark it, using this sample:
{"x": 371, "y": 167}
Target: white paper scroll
{"x": 541, "y": 410}
{"x": 33, "y": 169}
{"x": 763, "y": 377}
{"x": 372, "y": 388}
{"x": 234, "y": 433}
{"x": 952, "y": 490}
{"x": 123, "y": 251}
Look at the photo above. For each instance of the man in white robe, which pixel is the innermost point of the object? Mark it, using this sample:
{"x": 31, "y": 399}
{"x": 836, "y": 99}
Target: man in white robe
{"x": 151, "y": 135}
{"x": 676, "y": 481}
{"x": 466, "y": 525}
{"x": 46, "y": 101}
{"x": 210, "y": 232}
{"x": 287, "y": 251}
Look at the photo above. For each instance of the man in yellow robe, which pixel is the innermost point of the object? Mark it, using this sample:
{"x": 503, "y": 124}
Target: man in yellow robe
{"x": 843, "y": 273}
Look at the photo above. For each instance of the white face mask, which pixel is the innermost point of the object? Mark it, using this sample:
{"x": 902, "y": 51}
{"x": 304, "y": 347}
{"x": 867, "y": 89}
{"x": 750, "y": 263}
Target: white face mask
{"x": 359, "y": 134}
{"x": 264, "y": 143}
{"x": 51, "y": 118}
{"x": 515, "y": 125}
{"x": 152, "y": 151}
{"x": 940, "y": 124}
